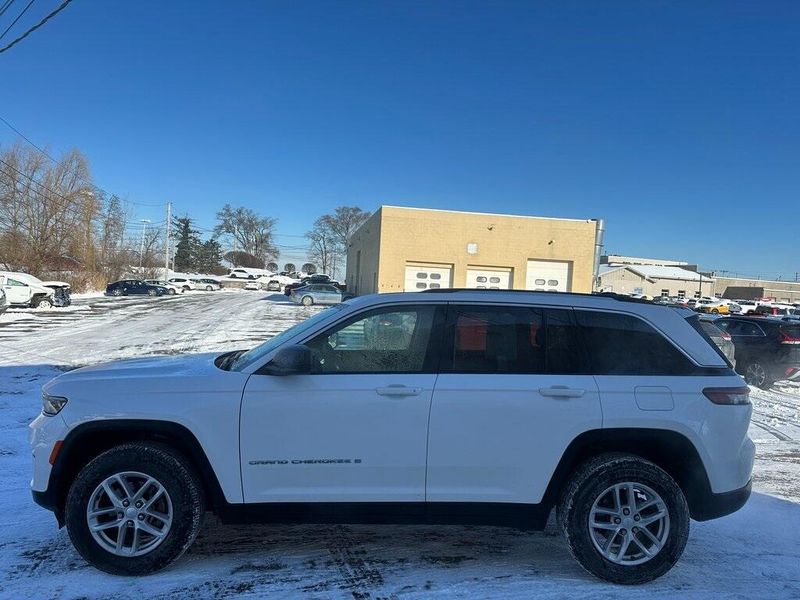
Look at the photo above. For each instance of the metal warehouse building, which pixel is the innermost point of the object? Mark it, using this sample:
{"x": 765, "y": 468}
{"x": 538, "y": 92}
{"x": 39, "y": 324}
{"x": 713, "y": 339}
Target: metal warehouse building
{"x": 410, "y": 249}
{"x": 654, "y": 280}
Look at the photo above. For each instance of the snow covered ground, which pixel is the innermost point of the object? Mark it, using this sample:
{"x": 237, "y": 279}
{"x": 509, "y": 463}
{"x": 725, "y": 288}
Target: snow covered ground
{"x": 754, "y": 553}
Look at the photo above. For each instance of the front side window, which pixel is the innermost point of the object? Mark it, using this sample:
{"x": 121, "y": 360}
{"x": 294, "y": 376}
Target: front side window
{"x": 387, "y": 340}
{"x": 620, "y": 344}
{"x": 16, "y": 283}
{"x": 509, "y": 339}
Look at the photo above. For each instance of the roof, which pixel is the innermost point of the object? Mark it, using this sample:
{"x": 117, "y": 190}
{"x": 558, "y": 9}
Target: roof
{"x": 657, "y": 272}
{"x": 485, "y": 214}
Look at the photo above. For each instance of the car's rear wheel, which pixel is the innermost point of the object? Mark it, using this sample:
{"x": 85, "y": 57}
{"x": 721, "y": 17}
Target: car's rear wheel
{"x": 715, "y": 311}
{"x": 307, "y": 301}
{"x": 152, "y": 293}
{"x": 117, "y": 292}
{"x": 625, "y": 519}
{"x": 209, "y": 288}
{"x": 134, "y": 509}
{"x": 756, "y": 374}
{"x": 171, "y": 291}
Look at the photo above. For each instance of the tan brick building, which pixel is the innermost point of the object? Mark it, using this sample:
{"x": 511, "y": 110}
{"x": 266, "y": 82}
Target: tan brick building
{"x": 410, "y": 249}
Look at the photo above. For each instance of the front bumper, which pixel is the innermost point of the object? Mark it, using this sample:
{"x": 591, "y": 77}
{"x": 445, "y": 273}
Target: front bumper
{"x": 714, "y": 506}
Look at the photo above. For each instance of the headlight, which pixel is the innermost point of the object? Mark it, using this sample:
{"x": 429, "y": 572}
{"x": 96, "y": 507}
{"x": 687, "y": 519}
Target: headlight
{"x": 52, "y": 405}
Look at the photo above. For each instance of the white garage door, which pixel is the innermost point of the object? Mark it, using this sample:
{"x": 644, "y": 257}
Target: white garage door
{"x": 423, "y": 278}
{"x": 546, "y": 275}
{"x": 488, "y": 279}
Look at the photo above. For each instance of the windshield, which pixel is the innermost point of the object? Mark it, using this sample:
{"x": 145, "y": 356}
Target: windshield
{"x": 259, "y": 352}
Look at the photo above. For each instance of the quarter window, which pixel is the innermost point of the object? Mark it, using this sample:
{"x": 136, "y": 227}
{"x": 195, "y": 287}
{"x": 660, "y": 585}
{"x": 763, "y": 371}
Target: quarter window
{"x": 384, "y": 341}
{"x": 625, "y": 345}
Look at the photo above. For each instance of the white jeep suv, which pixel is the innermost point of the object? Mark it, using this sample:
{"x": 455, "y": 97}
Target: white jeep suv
{"x": 489, "y": 407}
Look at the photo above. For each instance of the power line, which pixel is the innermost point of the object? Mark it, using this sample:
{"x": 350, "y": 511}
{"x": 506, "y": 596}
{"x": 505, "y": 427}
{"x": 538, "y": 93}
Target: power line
{"x": 5, "y": 7}
{"x": 14, "y": 22}
{"x": 61, "y": 7}
{"x": 49, "y": 156}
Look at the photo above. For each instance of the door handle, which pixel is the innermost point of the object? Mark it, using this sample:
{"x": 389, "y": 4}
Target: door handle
{"x": 561, "y": 391}
{"x": 398, "y": 390}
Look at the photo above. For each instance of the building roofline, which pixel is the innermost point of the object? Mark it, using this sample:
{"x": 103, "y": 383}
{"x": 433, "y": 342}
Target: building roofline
{"x": 487, "y": 214}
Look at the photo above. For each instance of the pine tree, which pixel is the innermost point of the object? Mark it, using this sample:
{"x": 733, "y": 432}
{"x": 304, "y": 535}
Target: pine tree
{"x": 186, "y": 250}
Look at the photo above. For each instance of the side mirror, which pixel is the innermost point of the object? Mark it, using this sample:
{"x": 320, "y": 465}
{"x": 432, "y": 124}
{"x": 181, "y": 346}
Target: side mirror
{"x": 291, "y": 360}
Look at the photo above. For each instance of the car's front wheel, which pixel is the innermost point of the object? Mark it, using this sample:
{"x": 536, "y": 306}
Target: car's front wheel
{"x": 152, "y": 293}
{"x": 209, "y": 288}
{"x": 307, "y": 301}
{"x": 43, "y": 303}
{"x": 171, "y": 291}
{"x": 117, "y": 292}
{"x": 625, "y": 519}
{"x": 134, "y": 509}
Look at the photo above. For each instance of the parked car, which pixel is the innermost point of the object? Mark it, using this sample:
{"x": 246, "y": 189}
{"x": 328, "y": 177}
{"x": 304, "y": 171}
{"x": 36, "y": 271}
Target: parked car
{"x": 316, "y": 278}
{"x": 252, "y": 285}
{"x": 273, "y": 285}
{"x": 436, "y": 407}
{"x": 208, "y": 285}
{"x": 767, "y": 348}
{"x": 171, "y": 288}
{"x": 747, "y": 306}
{"x": 715, "y": 307}
{"x": 721, "y": 338}
{"x": 25, "y": 290}
{"x": 245, "y": 273}
{"x": 184, "y": 283}
{"x": 131, "y": 287}
{"x": 316, "y": 293}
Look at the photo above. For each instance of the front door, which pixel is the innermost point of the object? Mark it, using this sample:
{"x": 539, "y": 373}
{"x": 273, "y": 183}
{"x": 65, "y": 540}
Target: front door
{"x": 509, "y": 400}
{"x": 355, "y": 428}
{"x": 16, "y": 291}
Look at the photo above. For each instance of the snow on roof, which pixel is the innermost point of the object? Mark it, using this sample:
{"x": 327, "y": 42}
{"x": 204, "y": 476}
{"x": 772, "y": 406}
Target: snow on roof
{"x": 657, "y": 272}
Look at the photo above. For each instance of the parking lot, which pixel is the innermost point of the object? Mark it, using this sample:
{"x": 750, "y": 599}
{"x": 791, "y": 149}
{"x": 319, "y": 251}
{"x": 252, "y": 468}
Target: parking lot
{"x": 751, "y": 554}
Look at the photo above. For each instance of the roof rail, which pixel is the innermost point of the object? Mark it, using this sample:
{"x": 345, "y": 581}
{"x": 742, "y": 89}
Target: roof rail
{"x": 612, "y": 295}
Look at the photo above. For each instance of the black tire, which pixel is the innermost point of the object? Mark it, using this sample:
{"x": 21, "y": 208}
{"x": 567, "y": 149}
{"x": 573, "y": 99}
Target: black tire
{"x": 171, "y": 291}
{"x": 307, "y": 301}
{"x": 588, "y": 484}
{"x": 179, "y": 481}
{"x": 152, "y": 293}
{"x": 209, "y": 288}
{"x": 117, "y": 292}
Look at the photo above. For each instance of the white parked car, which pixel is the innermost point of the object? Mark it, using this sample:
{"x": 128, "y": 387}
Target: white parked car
{"x": 207, "y": 284}
{"x": 246, "y": 273}
{"x": 25, "y": 290}
{"x": 252, "y": 285}
{"x": 488, "y": 407}
{"x": 184, "y": 283}
{"x": 172, "y": 288}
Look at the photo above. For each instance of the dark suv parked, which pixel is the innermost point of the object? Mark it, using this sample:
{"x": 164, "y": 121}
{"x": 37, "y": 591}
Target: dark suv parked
{"x": 767, "y": 349}
{"x": 126, "y": 287}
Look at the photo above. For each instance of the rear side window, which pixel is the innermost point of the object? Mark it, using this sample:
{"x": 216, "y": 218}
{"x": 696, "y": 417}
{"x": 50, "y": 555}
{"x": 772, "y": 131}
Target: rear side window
{"x": 510, "y": 339}
{"x": 620, "y": 344}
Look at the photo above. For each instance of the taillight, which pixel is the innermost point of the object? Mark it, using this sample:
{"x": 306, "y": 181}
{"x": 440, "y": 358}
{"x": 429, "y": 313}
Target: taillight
{"x": 789, "y": 340}
{"x": 728, "y": 396}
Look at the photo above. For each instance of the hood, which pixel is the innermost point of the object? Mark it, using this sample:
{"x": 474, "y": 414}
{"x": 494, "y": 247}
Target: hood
{"x": 153, "y": 367}
{"x": 58, "y": 284}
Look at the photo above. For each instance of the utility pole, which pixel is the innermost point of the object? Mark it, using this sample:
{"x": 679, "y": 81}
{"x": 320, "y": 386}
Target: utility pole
{"x": 141, "y": 247}
{"x": 166, "y": 241}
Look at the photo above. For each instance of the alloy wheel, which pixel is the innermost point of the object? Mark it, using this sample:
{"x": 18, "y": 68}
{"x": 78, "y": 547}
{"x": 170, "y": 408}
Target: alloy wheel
{"x": 755, "y": 374}
{"x": 129, "y": 514}
{"x": 629, "y": 523}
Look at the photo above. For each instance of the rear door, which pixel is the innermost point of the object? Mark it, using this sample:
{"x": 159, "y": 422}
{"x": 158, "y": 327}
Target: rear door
{"x": 510, "y": 397}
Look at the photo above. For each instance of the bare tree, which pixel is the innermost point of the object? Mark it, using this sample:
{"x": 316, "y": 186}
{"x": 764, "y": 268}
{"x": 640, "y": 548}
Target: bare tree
{"x": 250, "y": 232}
{"x": 331, "y": 233}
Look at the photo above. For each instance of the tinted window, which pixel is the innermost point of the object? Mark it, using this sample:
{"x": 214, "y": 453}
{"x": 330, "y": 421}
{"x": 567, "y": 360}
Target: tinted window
{"x": 389, "y": 340}
{"x": 507, "y": 339}
{"x": 742, "y": 328}
{"x": 625, "y": 345}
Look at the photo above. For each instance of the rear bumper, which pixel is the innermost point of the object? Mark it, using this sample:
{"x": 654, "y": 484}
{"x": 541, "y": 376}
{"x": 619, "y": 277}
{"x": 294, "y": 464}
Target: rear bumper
{"x": 714, "y": 506}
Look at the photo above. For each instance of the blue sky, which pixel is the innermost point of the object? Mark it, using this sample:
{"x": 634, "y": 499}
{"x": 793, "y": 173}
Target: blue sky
{"x": 678, "y": 122}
